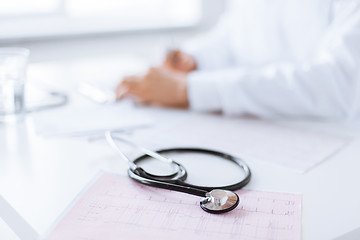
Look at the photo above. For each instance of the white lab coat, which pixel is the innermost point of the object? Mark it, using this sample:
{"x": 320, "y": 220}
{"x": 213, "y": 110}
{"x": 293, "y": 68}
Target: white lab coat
{"x": 275, "y": 58}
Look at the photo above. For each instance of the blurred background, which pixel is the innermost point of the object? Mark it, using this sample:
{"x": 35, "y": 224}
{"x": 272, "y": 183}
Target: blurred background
{"x": 77, "y": 41}
{"x": 62, "y": 29}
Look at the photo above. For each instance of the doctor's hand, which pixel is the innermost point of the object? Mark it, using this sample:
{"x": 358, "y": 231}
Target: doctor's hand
{"x": 159, "y": 86}
{"x": 177, "y": 60}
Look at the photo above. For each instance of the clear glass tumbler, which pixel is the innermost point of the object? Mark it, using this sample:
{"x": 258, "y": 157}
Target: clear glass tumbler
{"x": 13, "y": 66}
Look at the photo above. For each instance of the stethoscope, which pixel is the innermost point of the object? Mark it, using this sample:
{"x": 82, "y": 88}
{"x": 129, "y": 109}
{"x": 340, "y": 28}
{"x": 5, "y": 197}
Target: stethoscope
{"x": 214, "y": 199}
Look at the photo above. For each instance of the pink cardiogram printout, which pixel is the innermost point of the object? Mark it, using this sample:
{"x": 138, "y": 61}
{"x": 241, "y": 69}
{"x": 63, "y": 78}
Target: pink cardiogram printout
{"x": 115, "y": 207}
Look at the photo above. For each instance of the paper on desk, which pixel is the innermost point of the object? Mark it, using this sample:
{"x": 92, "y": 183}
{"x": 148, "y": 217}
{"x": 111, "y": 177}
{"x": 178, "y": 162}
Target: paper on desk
{"x": 37, "y": 96}
{"x": 251, "y": 139}
{"x": 88, "y": 120}
{"x": 115, "y": 207}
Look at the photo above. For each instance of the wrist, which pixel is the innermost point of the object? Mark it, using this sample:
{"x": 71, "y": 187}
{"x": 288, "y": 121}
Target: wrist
{"x": 203, "y": 91}
{"x": 182, "y": 99}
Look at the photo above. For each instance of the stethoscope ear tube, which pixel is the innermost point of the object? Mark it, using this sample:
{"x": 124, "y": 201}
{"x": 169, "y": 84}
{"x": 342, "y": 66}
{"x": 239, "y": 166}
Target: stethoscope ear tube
{"x": 233, "y": 187}
{"x": 139, "y": 172}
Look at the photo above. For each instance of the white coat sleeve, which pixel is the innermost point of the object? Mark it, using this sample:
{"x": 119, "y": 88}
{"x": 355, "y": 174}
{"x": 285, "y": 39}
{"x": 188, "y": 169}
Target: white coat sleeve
{"x": 324, "y": 87}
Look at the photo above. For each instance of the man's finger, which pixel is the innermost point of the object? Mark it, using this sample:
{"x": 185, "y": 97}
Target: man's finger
{"x": 130, "y": 88}
{"x": 172, "y": 59}
{"x": 121, "y": 92}
{"x": 125, "y": 86}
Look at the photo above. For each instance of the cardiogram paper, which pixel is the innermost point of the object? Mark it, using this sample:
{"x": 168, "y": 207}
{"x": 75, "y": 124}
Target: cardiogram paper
{"x": 115, "y": 207}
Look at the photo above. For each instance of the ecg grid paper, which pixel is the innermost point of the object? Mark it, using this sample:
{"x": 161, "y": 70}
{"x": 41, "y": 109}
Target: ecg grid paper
{"x": 115, "y": 207}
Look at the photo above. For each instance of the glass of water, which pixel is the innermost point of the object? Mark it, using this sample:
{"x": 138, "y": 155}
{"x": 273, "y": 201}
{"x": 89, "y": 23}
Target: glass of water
{"x": 13, "y": 66}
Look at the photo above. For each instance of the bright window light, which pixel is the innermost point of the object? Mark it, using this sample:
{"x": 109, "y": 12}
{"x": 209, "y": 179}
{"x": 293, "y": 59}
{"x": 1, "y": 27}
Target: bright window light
{"x": 23, "y": 19}
{"x": 10, "y": 8}
{"x": 181, "y": 11}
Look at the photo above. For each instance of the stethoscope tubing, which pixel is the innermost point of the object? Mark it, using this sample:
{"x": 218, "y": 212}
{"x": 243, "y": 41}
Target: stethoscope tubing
{"x": 175, "y": 181}
{"x": 166, "y": 185}
{"x": 219, "y": 199}
{"x": 180, "y": 184}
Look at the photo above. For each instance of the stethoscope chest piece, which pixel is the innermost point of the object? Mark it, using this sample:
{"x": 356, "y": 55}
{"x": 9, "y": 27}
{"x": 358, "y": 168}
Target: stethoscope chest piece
{"x": 219, "y": 201}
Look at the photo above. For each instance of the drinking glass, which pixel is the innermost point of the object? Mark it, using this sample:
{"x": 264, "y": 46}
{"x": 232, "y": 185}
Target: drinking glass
{"x": 13, "y": 66}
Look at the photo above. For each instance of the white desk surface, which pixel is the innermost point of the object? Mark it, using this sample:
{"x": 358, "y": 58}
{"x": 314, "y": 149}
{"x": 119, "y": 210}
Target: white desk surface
{"x": 40, "y": 176}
